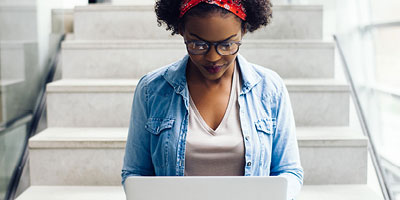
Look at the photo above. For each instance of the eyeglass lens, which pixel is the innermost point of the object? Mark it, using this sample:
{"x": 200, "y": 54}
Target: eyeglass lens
{"x": 201, "y": 48}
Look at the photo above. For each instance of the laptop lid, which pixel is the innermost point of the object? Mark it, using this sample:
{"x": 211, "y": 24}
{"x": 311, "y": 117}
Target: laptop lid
{"x": 206, "y": 188}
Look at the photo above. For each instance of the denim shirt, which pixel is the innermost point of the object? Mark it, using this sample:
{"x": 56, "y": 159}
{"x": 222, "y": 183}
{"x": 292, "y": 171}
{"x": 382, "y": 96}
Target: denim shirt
{"x": 159, "y": 123}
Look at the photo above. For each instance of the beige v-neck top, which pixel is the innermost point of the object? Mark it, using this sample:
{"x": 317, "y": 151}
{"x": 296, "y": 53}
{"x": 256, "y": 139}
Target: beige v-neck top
{"x": 217, "y": 152}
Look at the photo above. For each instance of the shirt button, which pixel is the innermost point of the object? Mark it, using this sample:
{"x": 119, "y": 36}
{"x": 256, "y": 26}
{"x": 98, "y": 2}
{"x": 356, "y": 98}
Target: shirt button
{"x": 249, "y": 164}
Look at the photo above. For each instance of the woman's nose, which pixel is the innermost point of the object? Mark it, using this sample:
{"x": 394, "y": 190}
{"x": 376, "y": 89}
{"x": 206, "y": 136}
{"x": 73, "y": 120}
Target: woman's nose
{"x": 212, "y": 54}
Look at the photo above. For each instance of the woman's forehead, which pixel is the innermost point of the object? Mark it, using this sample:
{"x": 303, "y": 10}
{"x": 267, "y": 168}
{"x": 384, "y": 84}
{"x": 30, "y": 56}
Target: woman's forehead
{"x": 213, "y": 27}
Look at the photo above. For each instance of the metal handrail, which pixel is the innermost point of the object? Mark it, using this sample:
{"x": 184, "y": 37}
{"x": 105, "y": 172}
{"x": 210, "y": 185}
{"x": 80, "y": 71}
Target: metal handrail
{"x": 361, "y": 116}
{"x": 16, "y": 122}
{"x": 389, "y": 24}
{"x": 38, "y": 111}
{"x": 386, "y": 91}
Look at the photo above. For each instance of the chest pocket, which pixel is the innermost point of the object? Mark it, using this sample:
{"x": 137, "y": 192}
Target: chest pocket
{"x": 265, "y": 125}
{"x": 160, "y": 130}
{"x": 157, "y": 125}
{"x": 265, "y": 129}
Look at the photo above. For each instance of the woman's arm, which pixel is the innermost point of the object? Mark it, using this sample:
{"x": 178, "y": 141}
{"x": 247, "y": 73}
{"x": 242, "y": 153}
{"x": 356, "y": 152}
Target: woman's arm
{"x": 137, "y": 161}
{"x": 285, "y": 152}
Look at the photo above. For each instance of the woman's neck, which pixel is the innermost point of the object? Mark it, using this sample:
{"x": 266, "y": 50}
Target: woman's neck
{"x": 194, "y": 76}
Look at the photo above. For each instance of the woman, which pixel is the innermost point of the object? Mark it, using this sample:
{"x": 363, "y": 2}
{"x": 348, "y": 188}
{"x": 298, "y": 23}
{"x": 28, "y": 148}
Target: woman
{"x": 213, "y": 113}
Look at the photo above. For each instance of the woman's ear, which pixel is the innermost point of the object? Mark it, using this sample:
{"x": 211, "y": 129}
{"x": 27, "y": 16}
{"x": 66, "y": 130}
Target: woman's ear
{"x": 244, "y": 30}
{"x": 181, "y": 30}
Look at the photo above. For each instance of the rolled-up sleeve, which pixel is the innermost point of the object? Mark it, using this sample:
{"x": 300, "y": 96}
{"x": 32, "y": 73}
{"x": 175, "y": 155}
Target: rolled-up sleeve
{"x": 285, "y": 152}
{"x": 137, "y": 160}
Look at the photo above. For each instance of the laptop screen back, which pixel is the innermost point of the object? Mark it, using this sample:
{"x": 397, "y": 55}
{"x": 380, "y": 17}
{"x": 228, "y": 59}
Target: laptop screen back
{"x": 205, "y": 188}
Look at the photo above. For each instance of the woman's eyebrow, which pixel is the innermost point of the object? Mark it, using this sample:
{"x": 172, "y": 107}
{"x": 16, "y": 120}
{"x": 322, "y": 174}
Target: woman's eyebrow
{"x": 192, "y": 34}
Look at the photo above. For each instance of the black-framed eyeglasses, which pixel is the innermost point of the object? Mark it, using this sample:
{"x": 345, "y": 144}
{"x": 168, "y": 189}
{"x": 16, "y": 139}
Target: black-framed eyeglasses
{"x": 223, "y": 48}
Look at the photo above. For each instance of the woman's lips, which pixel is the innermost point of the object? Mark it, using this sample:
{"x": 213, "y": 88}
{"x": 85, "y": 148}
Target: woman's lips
{"x": 213, "y": 69}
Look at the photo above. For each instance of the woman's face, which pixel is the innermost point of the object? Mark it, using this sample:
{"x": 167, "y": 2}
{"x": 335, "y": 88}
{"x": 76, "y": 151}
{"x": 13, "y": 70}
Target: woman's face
{"x": 212, "y": 28}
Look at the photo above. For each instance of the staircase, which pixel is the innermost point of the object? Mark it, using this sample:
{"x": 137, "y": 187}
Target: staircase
{"x": 80, "y": 154}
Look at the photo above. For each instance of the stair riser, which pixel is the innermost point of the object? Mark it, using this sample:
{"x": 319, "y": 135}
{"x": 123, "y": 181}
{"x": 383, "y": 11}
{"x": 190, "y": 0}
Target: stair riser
{"x": 111, "y": 23}
{"x": 340, "y": 165}
{"x": 320, "y": 108}
{"x": 89, "y": 109}
{"x": 76, "y": 166}
{"x": 290, "y": 22}
{"x": 151, "y": 2}
{"x": 18, "y": 23}
{"x": 12, "y": 61}
{"x": 116, "y": 63}
{"x": 113, "y": 109}
{"x": 294, "y": 61}
{"x": 326, "y": 165}
{"x": 288, "y": 60}
{"x": 12, "y": 101}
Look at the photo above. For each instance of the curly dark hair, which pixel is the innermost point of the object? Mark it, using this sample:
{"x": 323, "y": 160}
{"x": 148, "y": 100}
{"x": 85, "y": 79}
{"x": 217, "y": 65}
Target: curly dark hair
{"x": 258, "y": 13}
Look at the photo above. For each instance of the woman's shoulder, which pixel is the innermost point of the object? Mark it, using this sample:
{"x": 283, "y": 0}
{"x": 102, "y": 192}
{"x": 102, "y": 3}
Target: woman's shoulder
{"x": 157, "y": 78}
{"x": 268, "y": 80}
{"x": 268, "y": 74}
{"x": 256, "y": 73}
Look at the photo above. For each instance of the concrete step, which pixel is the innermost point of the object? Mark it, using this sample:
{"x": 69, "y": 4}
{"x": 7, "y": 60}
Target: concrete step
{"x": 73, "y": 193}
{"x": 12, "y": 60}
{"x": 151, "y": 2}
{"x": 112, "y": 22}
{"x": 333, "y": 155}
{"x": 89, "y": 102}
{"x": 308, "y": 192}
{"x": 11, "y": 103}
{"x": 17, "y": 3}
{"x": 319, "y": 102}
{"x": 62, "y": 21}
{"x": 18, "y": 22}
{"x": 17, "y": 59}
{"x": 94, "y": 156}
{"x": 131, "y": 2}
{"x": 83, "y": 156}
{"x": 134, "y": 58}
{"x": 342, "y": 192}
{"x": 19, "y": 77}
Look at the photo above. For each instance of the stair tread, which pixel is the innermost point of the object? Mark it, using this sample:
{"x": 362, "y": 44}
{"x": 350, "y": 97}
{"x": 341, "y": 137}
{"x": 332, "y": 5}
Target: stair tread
{"x": 80, "y": 138}
{"x": 342, "y": 192}
{"x": 330, "y": 136}
{"x": 116, "y": 137}
{"x": 92, "y": 85}
{"x": 161, "y": 43}
{"x": 10, "y": 82}
{"x": 139, "y": 7}
{"x": 129, "y": 84}
{"x": 73, "y": 193}
{"x": 308, "y": 192}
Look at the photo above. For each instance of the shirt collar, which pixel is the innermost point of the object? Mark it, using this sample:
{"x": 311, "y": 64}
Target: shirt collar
{"x": 249, "y": 74}
{"x": 175, "y": 75}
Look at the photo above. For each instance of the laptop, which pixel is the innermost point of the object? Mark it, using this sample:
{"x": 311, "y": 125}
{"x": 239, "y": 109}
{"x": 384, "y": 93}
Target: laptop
{"x": 205, "y": 188}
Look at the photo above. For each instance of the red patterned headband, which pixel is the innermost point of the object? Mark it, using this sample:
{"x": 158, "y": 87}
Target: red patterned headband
{"x": 235, "y": 6}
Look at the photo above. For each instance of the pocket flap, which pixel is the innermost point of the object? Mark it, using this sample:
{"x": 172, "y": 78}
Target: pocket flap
{"x": 156, "y": 125}
{"x": 265, "y": 125}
